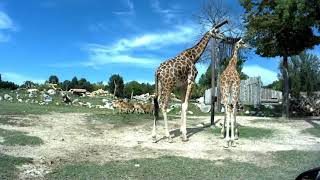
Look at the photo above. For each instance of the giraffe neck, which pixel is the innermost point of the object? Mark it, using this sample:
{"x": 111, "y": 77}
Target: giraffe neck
{"x": 234, "y": 59}
{"x": 196, "y": 51}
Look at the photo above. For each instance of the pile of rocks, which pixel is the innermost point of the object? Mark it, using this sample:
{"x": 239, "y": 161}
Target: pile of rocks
{"x": 306, "y": 106}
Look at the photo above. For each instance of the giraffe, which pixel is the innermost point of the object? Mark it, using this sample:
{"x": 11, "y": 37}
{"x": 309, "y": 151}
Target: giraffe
{"x": 179, "y": 71}
{"x": 230, "y": 90}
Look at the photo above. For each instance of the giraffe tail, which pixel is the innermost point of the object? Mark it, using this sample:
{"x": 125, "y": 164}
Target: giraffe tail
{"x": 155, "y": 100}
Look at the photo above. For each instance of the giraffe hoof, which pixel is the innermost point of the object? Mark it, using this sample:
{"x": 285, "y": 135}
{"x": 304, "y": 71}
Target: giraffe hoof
{"x": 226, "y": 145}
{"x": 154, "y": 139}
{"x": 233, "y": 144}
{"x": 185, "y": 139}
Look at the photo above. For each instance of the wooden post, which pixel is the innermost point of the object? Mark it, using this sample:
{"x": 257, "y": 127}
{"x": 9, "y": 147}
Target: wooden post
{"x": 213, "y": 90}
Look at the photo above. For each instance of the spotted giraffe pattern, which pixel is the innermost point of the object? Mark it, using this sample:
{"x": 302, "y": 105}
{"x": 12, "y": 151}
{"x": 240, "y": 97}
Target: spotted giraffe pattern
{"x": 230, "y": 90}
{"x": 179, "y": 71}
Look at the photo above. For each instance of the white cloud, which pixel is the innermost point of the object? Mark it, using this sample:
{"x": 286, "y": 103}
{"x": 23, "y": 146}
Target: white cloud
{"x": 130, "y": 10}
{"x": 168, "y": 14}
{"x": 121, "y": 51}
{"x": 6, "y": 25}
{"x": 5, "y": 21}
{"x": 181, "y": 34}
{"x": 267, "y": 76}
{"x": 19, "y": 78}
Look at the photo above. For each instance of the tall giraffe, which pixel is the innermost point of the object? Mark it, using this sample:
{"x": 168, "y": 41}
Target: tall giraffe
{"x": 230, "y": 90}
{"x": 179, "y": 71}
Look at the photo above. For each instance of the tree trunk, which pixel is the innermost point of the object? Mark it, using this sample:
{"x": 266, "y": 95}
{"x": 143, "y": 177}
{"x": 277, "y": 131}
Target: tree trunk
{"x": 218, "y": 104}
{"x": 213, "y": 90}
{"x": 285, "y": 92}
{"x": 115, "y": 88}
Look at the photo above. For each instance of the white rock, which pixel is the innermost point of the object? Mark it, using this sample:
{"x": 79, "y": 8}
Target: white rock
{"x": 190, "y": 112}
{"x": 105, "y": 100}
{"x": 137, "y": 165}
{"x": 247, "y": 112}
{"x": 200, "y": 100}
{"x": 32, "y": 90}
{"x": 51, "y": 92}
{"x": 0, "y": 98}
{"x": 19, "y": 100}
{"x": 75, "y": 101}
{"x": 7, "y": 97}
{"x": 46, "y": 98}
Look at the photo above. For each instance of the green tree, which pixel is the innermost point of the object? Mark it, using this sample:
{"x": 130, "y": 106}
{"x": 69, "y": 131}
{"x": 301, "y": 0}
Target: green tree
{"x": 304, "y": 71}
{"x": 66, "y": 85}
{"x": 275, "y": 85}
{"x": 28, "y": 84}
{"x": 116, "y": 85}
{"x": 282, "y": 28}
{"x": 74, "y": 83}
{"x": 53, "y": 79}
{"x": 132, "y": 87}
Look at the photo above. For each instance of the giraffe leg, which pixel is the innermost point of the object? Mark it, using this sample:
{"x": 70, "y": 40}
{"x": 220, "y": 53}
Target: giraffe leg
{"x": 184, "y": 109}
{"x": 235, "y": 95}
{"x": 223, "y": 129}
{"x": 232, "y": 119}
{"x": 227, "y": 138}
{"x": 154, "y": 133}
{"x": 165, "y": 117}
{"x": 183, "y": 95}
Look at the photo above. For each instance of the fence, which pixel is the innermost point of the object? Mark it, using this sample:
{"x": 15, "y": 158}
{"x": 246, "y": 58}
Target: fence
{"x": 251, "y": 93}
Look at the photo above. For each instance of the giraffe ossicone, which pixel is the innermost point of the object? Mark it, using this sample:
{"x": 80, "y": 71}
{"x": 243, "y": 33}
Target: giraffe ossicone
{"x": 179, "y": 71}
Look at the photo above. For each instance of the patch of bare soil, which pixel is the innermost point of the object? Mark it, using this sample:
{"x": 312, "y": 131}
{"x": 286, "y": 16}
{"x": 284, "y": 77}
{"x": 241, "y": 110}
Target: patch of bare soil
{"x": 68, "y": 139}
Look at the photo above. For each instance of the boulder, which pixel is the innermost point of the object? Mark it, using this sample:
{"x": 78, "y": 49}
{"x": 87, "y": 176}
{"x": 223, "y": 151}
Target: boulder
{"x": 19, "y": 100}
{"x": 7, "y": 97}
{"x": 200, "y": 100}
{"x": 47, "y": 98}
{"x": 75, "y": 101}
{"x": 190, "y": 112}
{"x": 0, "y": 98}
{"x": 32, "y": 91}
{"x": 51, "y": 92}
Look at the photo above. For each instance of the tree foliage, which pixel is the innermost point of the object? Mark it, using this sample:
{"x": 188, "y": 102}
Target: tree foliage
{"x": 137, "y": 88}
{"x": 116, "y": 81}
{"x": 282, "y": 28}
{"x": 53, "y": 79}
{"x": 304, "y": 72}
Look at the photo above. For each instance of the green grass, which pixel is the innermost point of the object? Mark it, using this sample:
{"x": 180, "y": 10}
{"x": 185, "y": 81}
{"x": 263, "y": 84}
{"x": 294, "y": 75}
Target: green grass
{"x": 191, "y": 107}
{"x": 12, "y": 138}
{"x": 269, "y": 121}
{"x": 13, "y": 121}
{"x": 288, "y": 164}
{"x": 8, "y": 169}
{"x": 315, "y": 131}
{"x": 265, "y": 112}
{"x": 15, "y": 108}
{"x": 250, "y": 132}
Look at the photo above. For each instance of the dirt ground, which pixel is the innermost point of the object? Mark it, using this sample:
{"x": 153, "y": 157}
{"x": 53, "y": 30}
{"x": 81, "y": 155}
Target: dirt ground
{"x": 68, "y": 139}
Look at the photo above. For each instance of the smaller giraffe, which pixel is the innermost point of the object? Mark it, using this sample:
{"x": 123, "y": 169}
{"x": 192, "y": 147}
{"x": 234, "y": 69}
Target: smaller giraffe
{"x": 230, "y": 90}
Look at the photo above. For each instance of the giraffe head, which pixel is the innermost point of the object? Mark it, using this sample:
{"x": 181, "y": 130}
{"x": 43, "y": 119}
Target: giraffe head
{"x": 215, "y": 33}
{"x": 241, "y": 44}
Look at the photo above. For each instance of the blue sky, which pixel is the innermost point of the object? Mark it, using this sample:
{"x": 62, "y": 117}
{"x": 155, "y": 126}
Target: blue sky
{"x": 97, "y": 38}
